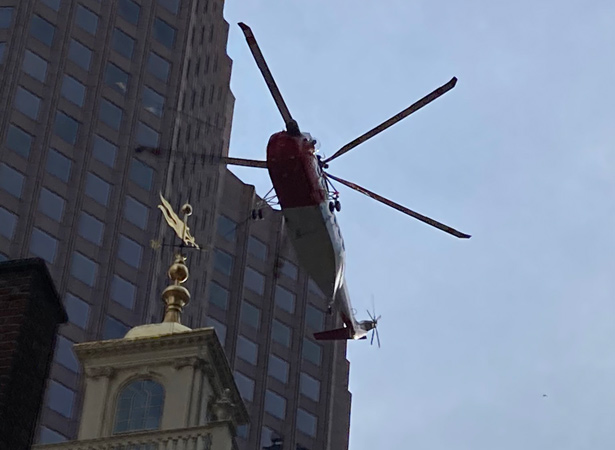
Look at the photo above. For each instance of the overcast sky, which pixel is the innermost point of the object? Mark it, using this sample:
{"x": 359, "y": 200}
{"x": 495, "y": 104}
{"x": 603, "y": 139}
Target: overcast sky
{"x": 520, "y": 155}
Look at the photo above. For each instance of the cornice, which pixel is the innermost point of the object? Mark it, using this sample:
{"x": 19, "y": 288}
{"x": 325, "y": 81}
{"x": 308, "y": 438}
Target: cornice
{"x": 114, "y": 347}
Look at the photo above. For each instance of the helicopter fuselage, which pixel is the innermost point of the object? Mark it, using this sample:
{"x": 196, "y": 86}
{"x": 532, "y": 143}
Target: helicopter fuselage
{"x": 312, "y": 226}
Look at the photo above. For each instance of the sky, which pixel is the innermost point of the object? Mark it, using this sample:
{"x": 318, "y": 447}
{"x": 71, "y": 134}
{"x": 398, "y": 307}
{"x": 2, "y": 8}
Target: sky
{"x": 520, "y": 155}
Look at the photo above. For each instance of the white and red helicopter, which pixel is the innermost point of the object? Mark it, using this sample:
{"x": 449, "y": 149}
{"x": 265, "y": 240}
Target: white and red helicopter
{"x": 309, "y": 202}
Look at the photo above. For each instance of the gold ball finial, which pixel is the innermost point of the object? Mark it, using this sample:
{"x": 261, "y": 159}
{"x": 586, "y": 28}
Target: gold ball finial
{"x": 178, "y": 272}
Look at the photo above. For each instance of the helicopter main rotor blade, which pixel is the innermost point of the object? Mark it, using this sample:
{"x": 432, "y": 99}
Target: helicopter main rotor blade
{"x": 401, "y": 208}
{"x": 211, "y": 159}
{"x": 396, "y": 118}
{"x": 244, "y": 162}
{"x": 264, "y": 68}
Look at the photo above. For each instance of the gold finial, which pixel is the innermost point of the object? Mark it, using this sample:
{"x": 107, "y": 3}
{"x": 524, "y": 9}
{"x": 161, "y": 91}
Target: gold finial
{"x": 176, "y": 296}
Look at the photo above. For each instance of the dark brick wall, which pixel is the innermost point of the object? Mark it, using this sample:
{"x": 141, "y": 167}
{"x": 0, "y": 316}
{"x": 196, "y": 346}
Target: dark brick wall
{"x": 30, "y": 313}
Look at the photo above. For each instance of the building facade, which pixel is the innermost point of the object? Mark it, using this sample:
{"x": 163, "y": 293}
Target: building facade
{"x": 83, "y": 84}
{"x": 162, "y": 386}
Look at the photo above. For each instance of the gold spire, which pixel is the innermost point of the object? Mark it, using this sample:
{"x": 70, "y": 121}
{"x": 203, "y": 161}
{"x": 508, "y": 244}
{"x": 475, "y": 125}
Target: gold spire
{"x": 176, "y": 296}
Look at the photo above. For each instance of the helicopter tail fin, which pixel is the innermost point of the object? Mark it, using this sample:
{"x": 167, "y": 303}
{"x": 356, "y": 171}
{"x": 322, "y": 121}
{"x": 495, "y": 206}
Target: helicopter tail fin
{"x": 334, "y": 335}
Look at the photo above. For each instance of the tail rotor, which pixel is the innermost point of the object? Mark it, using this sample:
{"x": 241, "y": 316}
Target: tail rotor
{"x": 374, "y": 320}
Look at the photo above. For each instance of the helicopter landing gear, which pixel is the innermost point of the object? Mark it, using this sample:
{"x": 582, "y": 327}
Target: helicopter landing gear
{"x": 257, "y": 214}
{"x": 335, "y": 206}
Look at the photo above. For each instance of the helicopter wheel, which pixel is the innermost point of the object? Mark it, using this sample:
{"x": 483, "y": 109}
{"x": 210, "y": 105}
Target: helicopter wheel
{"x": 260, "y": 214}
{"x": 338, "y": 206}
{"x": 331, "y": 206}
{"x": 254, "y": 214}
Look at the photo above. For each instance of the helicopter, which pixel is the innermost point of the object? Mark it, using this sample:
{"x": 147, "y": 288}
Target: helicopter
{"x": 309, "y": 201}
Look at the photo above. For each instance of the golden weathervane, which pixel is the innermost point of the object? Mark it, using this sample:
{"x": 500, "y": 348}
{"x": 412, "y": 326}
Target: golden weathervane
{"x": 180, "y": 226}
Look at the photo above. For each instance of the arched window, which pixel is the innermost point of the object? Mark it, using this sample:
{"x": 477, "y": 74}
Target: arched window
{"x": 139, "y": 407}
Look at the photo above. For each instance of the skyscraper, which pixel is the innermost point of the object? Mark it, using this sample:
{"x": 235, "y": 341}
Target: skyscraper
{"x": 84, "y": 83}
{"x": 108, "y": 103}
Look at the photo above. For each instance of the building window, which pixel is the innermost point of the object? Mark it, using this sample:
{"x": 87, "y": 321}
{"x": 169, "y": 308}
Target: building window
{"x": 73, "y": 90}
{"x": 306, "y": 422}
{"x": 171, "y": 5}
{"x": 129, "y": 10}
{"x": 314, "y": 289}
{"x": 243, "y": 431}
{"x": 80, "y": 54}
{"x": 123, "y": 292}
{"x": 19, "y": 140}
{"x": 218, "y": 295}
{"x": 35, "y": 66}
{"x": 114, "y": 329}
{"x": 97, "y": 189}
{"x": 219, "y": 327}
{"x": 104, "y": 151}
{"x": 285, "y": 299}
{"x": 65, "y": 355}
{"x": 275, "y": 404}
{"x": 141, "y": 174}
{"x": 247, "y": 350}
{"x": 136, "y": 212}
{"x": 254, "y": 281}
{"x": 86, "y": 19}
{"x": 91, "y": 228}
{"x": 42, "y": 30}
{"x": 58, "y": 165}
{"x": 139, "y": 407}
{"x": 278, "y": 369}
{"x": 310, "y": 387}
{"x": 226, "y": 228}
{"x": 250, "y": 315}
{"x": 83, "y": 269}
{"x": 60, "y": 398}
{"x": 245, "y": 385}
{"x": 8, "y": 221}
{"x": 6, "y": 17}
{"x": 66, "y": 127}
{"x": 53, "y": 4}
{"x": 48, "y": 436}
{"x": 147, "y": 136}
{"x": 129, "y": 251}
{"x": 280, "y": 333}
{"x": 77, "y": 310}
{"x": 110, "y": 114}
{"x": 223, "y": 262}
{"x": 314, "y": 318}
{"x": 158, "y": 66}
{"x": 116, "y": 78}
{"x": 257, "y": 248}
{"x": 122, "y": 43}
{"x": 153, "y": 101}
{"x": 311, "y": 352}
{"x": 27, "y": 103}
{"x": 164, "y": 33}
{"x": 50, "y": 204}
{"x": 290, "y": 270}
{"x": 11, "y": 180}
